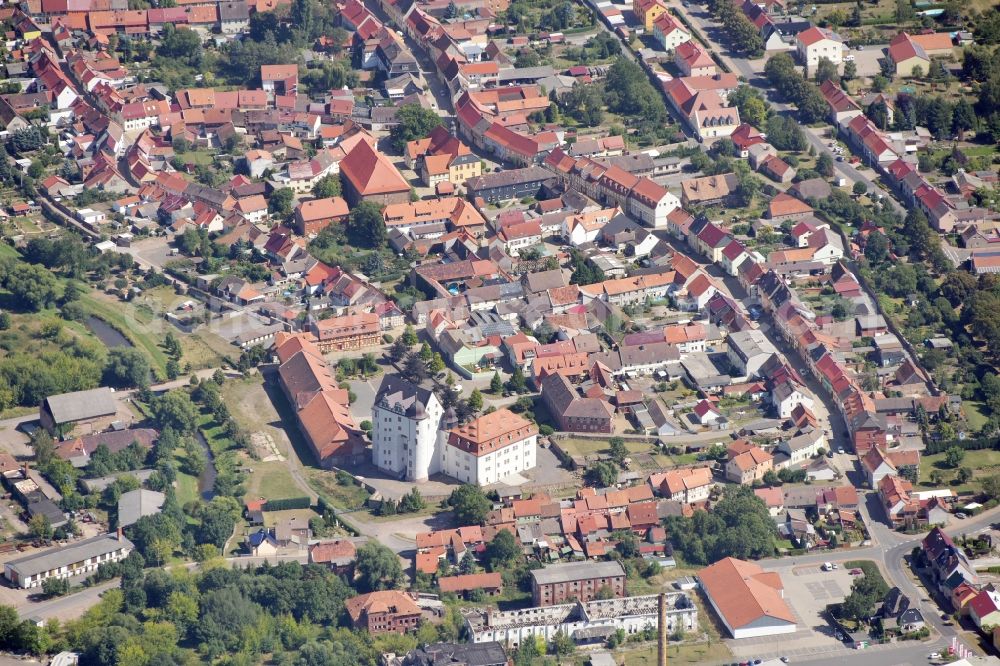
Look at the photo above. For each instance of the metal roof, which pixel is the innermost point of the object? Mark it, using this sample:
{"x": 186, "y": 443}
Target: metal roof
{"x": 577, "y": 571}
{"x": 62, "y": 556}
{"x": 80, "y": 405}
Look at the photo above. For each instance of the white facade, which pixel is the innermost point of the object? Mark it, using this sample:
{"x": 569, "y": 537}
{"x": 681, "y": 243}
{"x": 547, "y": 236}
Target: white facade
{"x": 655, "y": 217}
{"x": 802, "y": 447}
{"x": 406, "y": 435}
{"x": 630, "y": 614}
{"x": 91, "y": 216}
{"x": 139, "y": 124}
{"x": 831, "y": 49}
{"x": 515, "y": 245}
{"x": 516, "y": 457}
{"x": 73, "y": 560}
{"x": 786, "y": 403}
{"x": 673, "y": 38}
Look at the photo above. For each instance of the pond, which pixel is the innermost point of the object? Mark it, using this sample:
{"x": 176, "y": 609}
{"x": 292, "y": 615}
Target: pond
{"x": 111, "y": 337}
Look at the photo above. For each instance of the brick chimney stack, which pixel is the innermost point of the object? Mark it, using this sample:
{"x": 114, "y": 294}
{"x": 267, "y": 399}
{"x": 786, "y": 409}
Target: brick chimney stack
{"x": 661, "y": 644}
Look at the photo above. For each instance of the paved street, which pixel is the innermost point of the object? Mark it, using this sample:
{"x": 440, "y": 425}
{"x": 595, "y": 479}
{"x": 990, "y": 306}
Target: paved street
{"x": 751, "y": 71}
{"x": 66, "y": 608}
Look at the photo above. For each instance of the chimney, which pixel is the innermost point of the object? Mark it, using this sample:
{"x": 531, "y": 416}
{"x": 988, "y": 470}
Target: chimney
{"x": 119, "y": 534}
{"x": 661, "y": 646}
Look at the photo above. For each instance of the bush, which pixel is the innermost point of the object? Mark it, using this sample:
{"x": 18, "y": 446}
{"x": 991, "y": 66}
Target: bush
{"x": 545, "y": 430}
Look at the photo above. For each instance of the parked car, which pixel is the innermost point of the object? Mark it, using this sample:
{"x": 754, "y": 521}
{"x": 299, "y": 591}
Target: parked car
{"x": 856, "y": 572}
{"x": 828, "y": 566}
{"x": 960, "y": 515}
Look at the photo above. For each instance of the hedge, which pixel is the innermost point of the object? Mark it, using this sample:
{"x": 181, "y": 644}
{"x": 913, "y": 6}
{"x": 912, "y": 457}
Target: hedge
{"x": 969, "y": 444}
{"x": 288, "y": 503}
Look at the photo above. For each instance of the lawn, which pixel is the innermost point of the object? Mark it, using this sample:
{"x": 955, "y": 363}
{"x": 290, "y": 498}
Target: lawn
{"x": 982, "y": 463}
{"x": 271, "y": 480}
{"x": 588, "y": 447}
{"x": 272, "y": 518}
{"x": 187, "y": 485}
{"x": 976, "y": 414}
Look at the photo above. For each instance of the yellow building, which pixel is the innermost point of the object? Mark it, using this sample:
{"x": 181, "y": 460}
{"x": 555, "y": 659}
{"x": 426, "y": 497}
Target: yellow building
{"x": 647, "y": 11}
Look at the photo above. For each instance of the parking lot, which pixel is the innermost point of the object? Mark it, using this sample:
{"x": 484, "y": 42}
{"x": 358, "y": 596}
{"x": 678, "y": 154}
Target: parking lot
{"x": 867, "y": 60}
{"x": 810, "y": 589}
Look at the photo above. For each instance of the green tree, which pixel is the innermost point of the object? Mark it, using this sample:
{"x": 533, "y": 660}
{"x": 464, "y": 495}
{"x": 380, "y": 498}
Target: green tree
{"x": 867, "y": 592}
{"x": 850, "y": 71}
{"x": 877, "y": 248}
{"x": 904, "y": 11}
{"x": 126, "y": 367}
{"x": 475, "y": 400}
{"x": 366, "y": 225}
{"x": 617, "y": 450}
{"x": 991, "y": 486}
{"x": 562, "y": 644}
{"x": 55, "y": 587}
{"x": 413, "y": 122}
{"x": 377, "y": 567}
{"x": 601, "y": 475}
{"x": 496, "y": 384}
{"x": 40, "y": 527}
{"x": 502, "y": 551}
{"x": 280, "y": 202}
{"x": 628, "y": 543}
{"x": 412, "y": 502}
{"x": 518, "y": 382}
{"x": 180, "y": 45}
{"x": 469, "y": 505}
{"x": 739, "y": 525}
{"x": 436, "y": 365}
{"x": 826, "y": 71}
{"x": 953, "y": 456}
{"x": 824, "y": 165}
{"x": 327, "y": 186}
{"x": 859, "y": 188}
{"x": 174, "y": 409}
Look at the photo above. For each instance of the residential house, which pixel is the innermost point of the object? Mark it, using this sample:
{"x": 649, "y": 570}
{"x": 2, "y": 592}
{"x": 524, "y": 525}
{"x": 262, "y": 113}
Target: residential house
{"x": 749, "y": 465}
{"x": 816, "y": 43}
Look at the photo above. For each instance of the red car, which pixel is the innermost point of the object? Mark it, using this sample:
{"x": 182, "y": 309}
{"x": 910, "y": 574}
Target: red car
{"x": 856, "y": 572}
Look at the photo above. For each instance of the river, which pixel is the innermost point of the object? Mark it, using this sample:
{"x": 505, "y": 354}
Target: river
{"x": 206, "y": 482}
{"x": 110, "y": 336}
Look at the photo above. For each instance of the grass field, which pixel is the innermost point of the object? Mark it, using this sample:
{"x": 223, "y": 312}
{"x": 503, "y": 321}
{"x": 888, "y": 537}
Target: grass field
{"x": 982, "y": 463}
{"x": 141, "y": 321}
{"x": 976, "y": 413}
{"x": 187, "y": 485}
{"x": 271, "y": 480}
{"x": 347, "y": 496}
{"x": 271, "y": 518}
{"x": 588, "y": 447}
